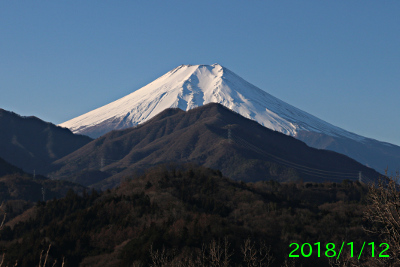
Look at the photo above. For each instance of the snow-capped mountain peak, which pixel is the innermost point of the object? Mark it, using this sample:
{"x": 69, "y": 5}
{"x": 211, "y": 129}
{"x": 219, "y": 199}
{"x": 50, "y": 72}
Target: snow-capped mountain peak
{"x": 190, "y": 86}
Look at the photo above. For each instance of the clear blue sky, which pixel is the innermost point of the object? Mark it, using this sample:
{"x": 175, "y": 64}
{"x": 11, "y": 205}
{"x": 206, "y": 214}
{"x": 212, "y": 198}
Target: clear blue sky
{"x": 338, "y": 60}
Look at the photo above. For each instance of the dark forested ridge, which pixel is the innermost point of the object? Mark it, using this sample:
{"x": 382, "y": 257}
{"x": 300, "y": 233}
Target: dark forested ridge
{"x": 19, "y": 190}
{"x": 181, "y": 214}
{"x": 25, "y": 187}
{"x": 32, "y": 144}
{"x": 212, "y": 136}
{"x": 15, "y": 184}
{"x": 7, "y": 168}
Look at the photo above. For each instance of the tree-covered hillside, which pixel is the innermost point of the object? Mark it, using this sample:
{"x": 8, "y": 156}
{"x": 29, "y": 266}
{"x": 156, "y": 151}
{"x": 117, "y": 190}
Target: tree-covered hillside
{"x": 183, "y": 214}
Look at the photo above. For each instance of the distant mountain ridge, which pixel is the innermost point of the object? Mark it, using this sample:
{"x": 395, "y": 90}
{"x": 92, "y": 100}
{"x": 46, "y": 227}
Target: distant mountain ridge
{"x": 32, "y": 144}
{"x": 190, "y": 86}
{"x": 213, "y": 136}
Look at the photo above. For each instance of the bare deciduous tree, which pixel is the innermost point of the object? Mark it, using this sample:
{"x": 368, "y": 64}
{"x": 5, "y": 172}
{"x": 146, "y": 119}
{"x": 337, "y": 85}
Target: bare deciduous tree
{"x": 384, "y": 215}
{"x": 159, "y": 258}
{"x": 289, "y": 263}
{"x": 2, "y": 209}
{"x": 254, "y": 257}
{"x": 216, "y": 254}
{"x": 219, "y": 254}
{"x": 1, "y": 227}
{"x": 345, "y": 260}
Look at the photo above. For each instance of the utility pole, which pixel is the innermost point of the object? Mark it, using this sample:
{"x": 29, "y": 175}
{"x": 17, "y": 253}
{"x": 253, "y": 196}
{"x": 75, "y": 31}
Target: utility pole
{"x": 34, "y": 174}
{"x": 359, "y": 176}
{"x": 43, "y": 193}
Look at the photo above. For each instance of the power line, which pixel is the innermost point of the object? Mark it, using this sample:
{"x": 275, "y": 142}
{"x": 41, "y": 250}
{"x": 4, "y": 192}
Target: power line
{"x": 307, "y": 170}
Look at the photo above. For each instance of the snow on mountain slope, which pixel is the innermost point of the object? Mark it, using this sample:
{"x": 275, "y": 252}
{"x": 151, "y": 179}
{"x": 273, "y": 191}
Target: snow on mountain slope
{"x": 190, "y": 86}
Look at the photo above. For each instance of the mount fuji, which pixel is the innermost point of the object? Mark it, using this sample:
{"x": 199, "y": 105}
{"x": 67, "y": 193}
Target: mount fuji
{"x": 190, "y": 86}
